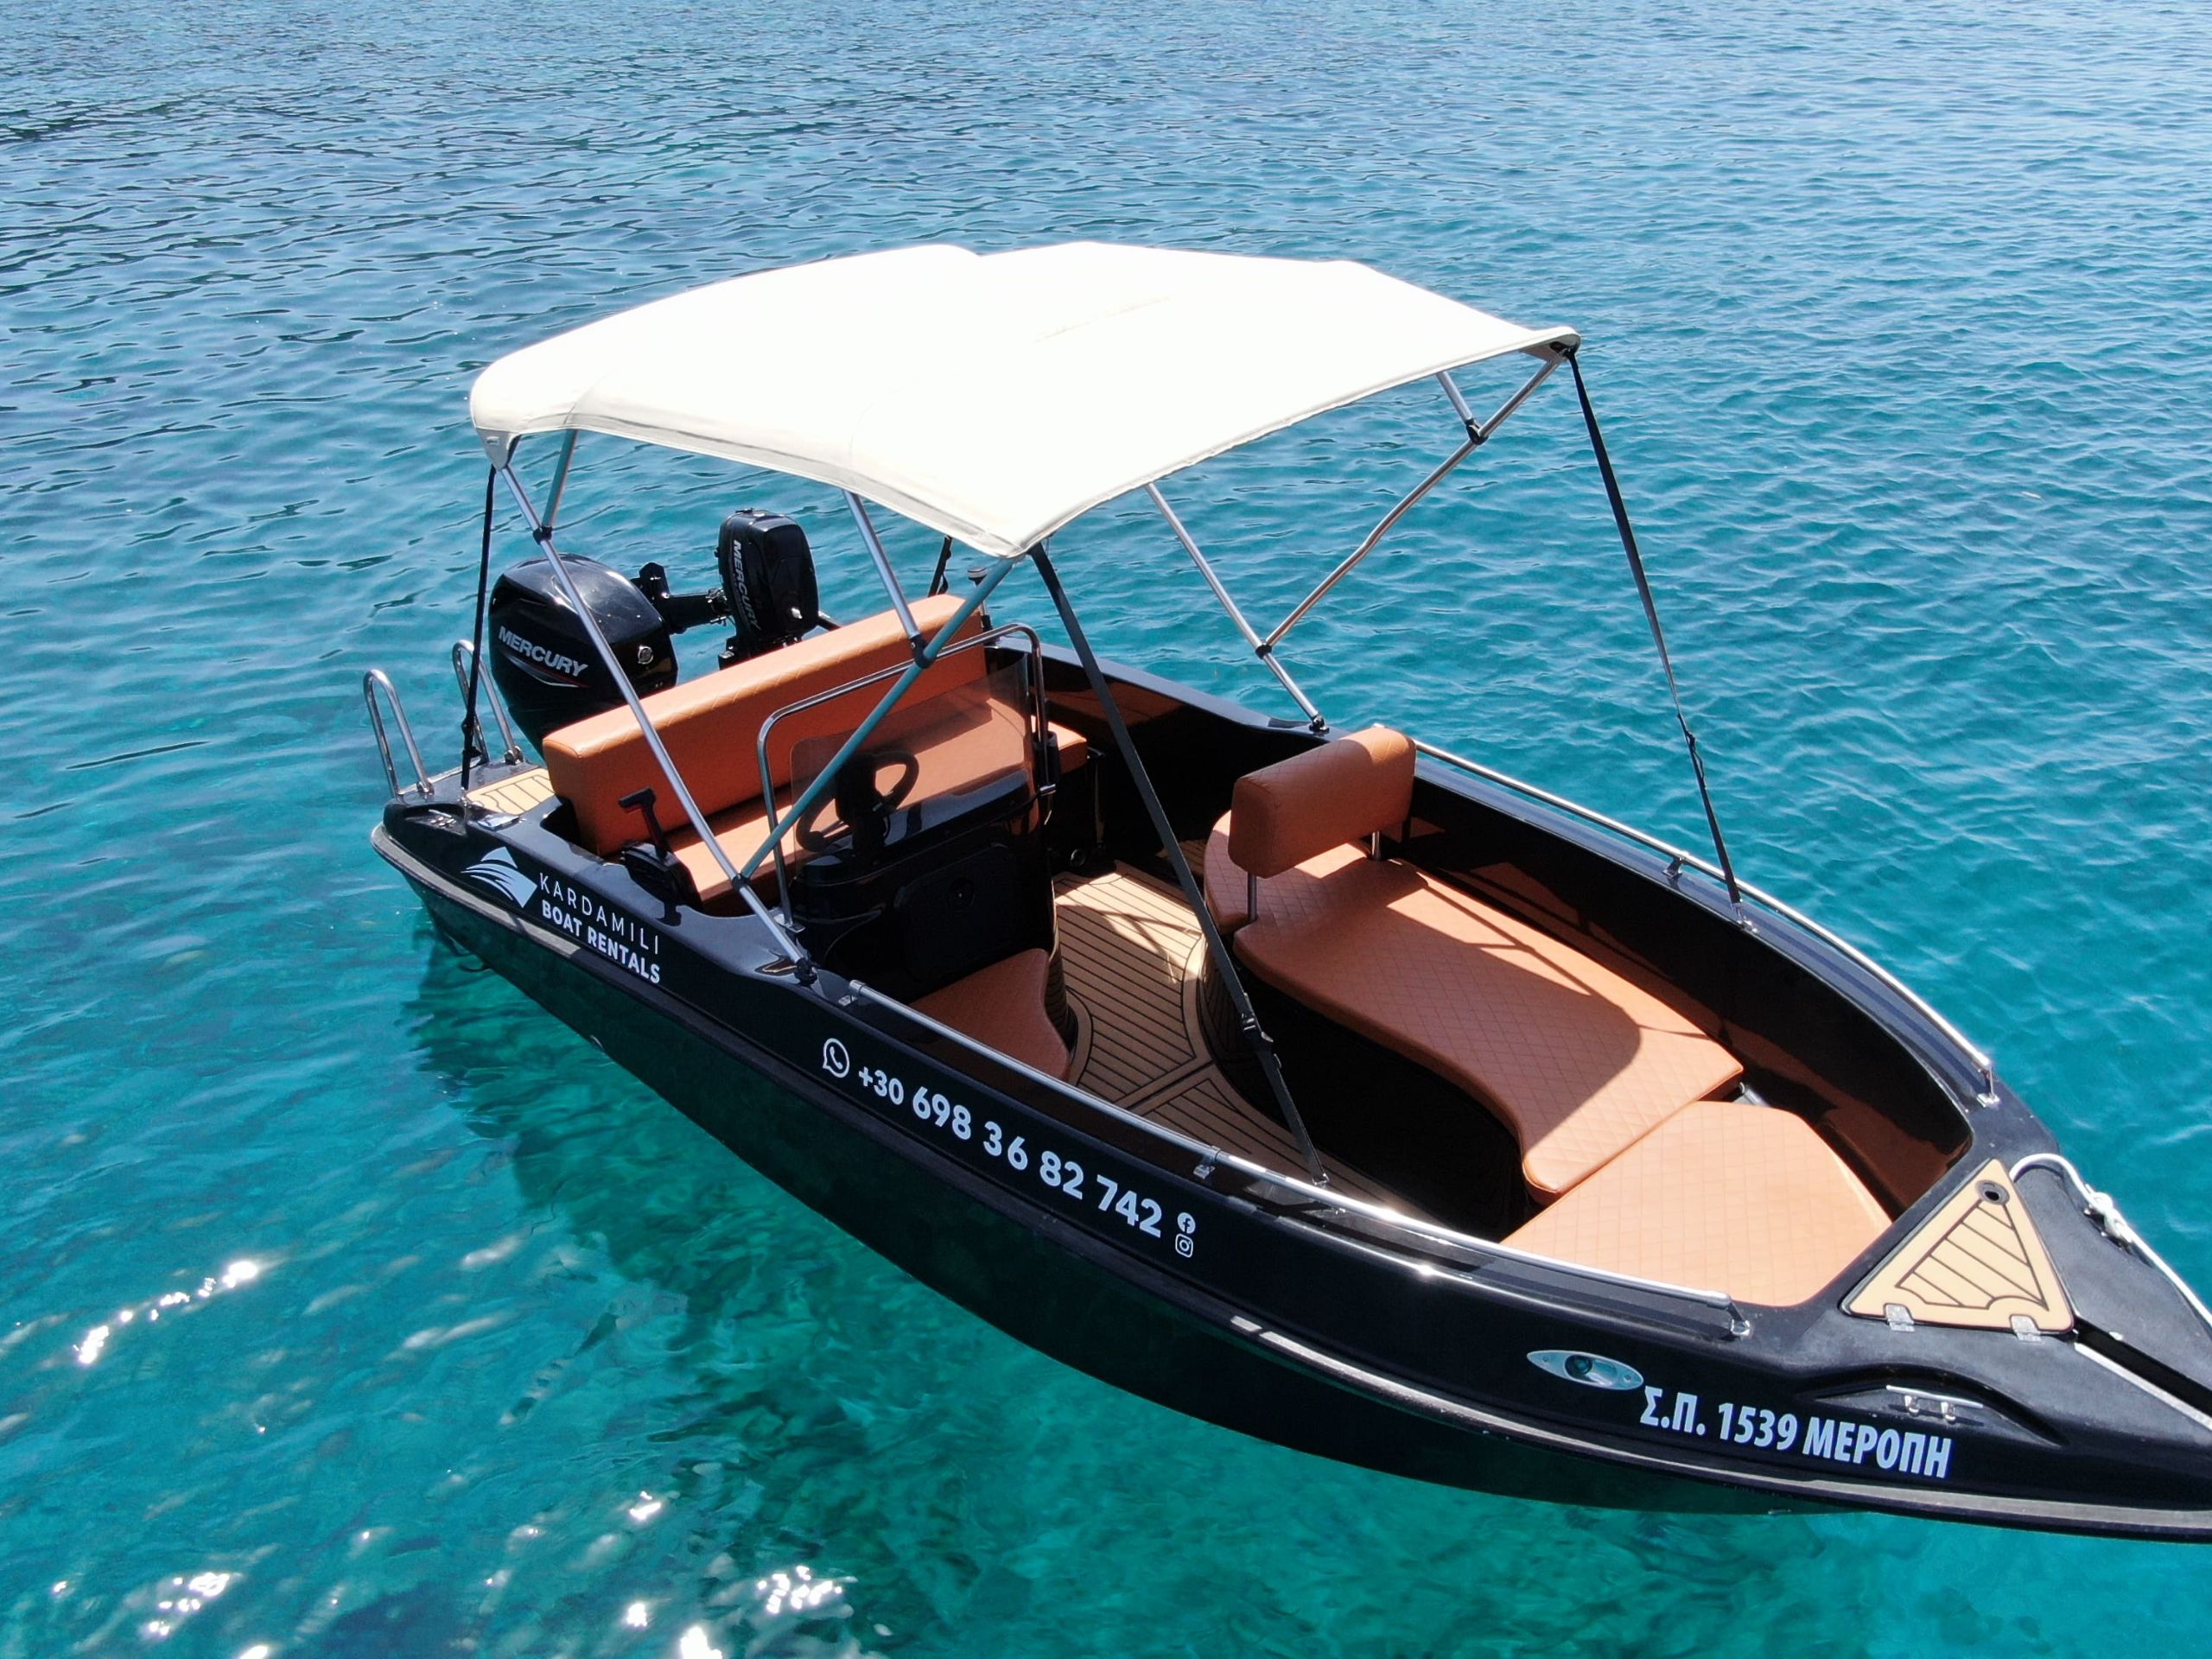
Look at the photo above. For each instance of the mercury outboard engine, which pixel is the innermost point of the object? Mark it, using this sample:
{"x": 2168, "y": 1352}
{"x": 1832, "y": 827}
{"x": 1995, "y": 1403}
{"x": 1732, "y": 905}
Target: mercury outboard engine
{"x": 543, "y": 660}
{"x": 767, "y": 572}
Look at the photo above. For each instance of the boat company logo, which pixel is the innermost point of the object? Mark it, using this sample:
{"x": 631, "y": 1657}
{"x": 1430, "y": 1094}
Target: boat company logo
{"x": 1591, "y": 1370}
{"x": 567, "y": 668}
{"x": 496, "y": 871}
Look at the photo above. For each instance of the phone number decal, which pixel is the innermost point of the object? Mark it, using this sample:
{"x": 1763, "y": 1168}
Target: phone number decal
{"x": 934, "y": 1109}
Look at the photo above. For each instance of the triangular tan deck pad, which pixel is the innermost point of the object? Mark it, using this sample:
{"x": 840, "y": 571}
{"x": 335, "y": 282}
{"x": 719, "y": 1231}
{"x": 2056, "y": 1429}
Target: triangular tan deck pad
{"x": 1976, "y": 1262}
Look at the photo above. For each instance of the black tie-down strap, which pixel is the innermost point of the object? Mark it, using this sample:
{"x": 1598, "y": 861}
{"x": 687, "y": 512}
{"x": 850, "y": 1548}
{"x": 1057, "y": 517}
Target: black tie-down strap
{"x": 1651, "y": 615}
{"x": 1263, "y": 1048}
{"x": 472, "y": 729}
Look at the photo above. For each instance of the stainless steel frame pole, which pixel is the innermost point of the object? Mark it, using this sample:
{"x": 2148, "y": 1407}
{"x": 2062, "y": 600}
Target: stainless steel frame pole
{"x": 1374, "y": 536}
{"x": 826, "y": 779}
{"x": 1263, "y": 1046}
{"x": 883, "y": 569}
{"x": 705, "y": 830}
{"x": 1478, "y": 434}
{"x": 1260, "y": 648}
{"x": 1487, "y": 429}
{"x": 560, "y": 485}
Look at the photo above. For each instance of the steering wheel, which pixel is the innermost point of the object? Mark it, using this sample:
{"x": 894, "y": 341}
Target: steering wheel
{"x": 862, "y": 807}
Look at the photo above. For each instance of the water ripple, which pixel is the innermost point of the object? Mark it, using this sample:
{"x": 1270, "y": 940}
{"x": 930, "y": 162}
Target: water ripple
{"x": 1901, "y": 323}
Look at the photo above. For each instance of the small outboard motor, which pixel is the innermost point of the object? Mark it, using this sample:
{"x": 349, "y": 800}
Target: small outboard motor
{"x": 767, "y": 572}
{"x": 544, "y": 661}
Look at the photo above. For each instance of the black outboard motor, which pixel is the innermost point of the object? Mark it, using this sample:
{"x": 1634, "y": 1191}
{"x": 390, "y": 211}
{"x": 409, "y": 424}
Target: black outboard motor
{"x": 767, "y": 571}
{"x": 541, "y": 659}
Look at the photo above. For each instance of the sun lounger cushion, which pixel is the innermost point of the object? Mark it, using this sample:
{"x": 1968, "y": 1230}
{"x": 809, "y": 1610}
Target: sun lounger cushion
{"x": 1724, "y": 1195}
{"x": 1578, "y": 1060}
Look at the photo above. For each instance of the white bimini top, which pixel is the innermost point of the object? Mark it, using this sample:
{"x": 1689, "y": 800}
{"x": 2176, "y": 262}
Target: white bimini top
{"x": 994, "y": 397}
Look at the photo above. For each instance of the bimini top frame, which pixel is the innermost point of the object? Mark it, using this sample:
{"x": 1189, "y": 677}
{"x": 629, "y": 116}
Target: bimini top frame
{"x": 913, "y": 378}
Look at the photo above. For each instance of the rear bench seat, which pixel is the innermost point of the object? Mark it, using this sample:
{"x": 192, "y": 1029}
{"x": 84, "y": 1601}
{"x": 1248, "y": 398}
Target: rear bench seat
{"x": 1607, "y": 1088}
{"x": 712, "y": 728}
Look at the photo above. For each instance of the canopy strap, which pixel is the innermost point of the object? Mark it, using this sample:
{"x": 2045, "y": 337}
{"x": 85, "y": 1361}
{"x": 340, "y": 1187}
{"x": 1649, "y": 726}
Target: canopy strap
{"x": 471, "y": 728}
{"x": 1263, "y": 1046}
{"x": 1651, "y": 615}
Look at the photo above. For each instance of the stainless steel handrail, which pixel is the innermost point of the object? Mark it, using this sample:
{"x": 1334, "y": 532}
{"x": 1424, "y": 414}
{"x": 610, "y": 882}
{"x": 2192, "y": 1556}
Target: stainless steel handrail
{"x": 990, "y": 636}
{"x": 461, "y": 655}
{"x": 1680, "y": 857}
{"x": 369, "y": 682}
{"x": 1304, "y": 1192}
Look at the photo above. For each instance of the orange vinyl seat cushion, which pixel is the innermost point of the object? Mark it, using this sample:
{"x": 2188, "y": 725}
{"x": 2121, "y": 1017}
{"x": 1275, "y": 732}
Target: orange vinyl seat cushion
{"x": 712, "y": 725}
{"x": 1724, "y": 1195}
{"x": 1002, "y": 1006}
{"x": 1577, "y": 1059}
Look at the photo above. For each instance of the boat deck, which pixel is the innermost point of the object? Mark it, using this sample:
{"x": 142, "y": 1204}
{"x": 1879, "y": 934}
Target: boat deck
{"x": 1132, "y": 951}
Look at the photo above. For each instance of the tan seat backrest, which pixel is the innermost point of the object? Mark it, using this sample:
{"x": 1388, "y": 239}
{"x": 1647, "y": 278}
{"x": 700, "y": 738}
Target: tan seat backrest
{"x": 711, "y": 724}
{"x": 1282, "y": 815}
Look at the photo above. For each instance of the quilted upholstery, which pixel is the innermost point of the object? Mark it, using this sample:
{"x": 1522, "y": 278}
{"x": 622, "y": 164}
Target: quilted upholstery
{"x": 1580, "y": 1061}
{"x": 1337, "y": 791}
{"x": 1723, "y": 1195}
{"x": 1002, "y": 1006}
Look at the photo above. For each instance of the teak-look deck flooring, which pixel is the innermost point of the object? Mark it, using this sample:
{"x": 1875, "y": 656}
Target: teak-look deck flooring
{"x": 1131, "y": 952}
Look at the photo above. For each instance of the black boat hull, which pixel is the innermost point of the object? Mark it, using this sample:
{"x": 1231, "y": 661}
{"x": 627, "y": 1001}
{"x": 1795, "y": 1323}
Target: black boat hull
{"x": 1045, "y": 1291}
{"x": 1211, "y": 1346}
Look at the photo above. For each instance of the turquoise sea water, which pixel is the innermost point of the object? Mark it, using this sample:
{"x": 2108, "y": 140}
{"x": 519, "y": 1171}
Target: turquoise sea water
{"x": 349, "y": 1306}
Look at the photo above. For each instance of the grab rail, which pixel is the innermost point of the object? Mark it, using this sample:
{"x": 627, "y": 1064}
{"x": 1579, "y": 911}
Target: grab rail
{"x": 370, "y": 682}
{"x": 462, "y": 654}
{"x": 2101, "y": 1208}
{"x": 988, "y": 636}
{"x": 1678, "y": 858}
{"x": 1304, "y": 1192}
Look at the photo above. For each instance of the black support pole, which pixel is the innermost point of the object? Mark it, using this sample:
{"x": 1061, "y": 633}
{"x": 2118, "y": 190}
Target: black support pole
{"x": 471, "y": 728}
{"x": 1658, "y": 634}
{"x": 1263, "y": 1046}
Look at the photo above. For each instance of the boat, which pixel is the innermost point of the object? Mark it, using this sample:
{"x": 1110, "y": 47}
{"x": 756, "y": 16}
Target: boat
{"x": 1304, "y": 1076}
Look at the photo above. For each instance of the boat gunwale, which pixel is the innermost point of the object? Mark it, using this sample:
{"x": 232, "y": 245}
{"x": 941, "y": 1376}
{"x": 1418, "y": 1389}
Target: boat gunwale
{"x": 1305, "y": 1201}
